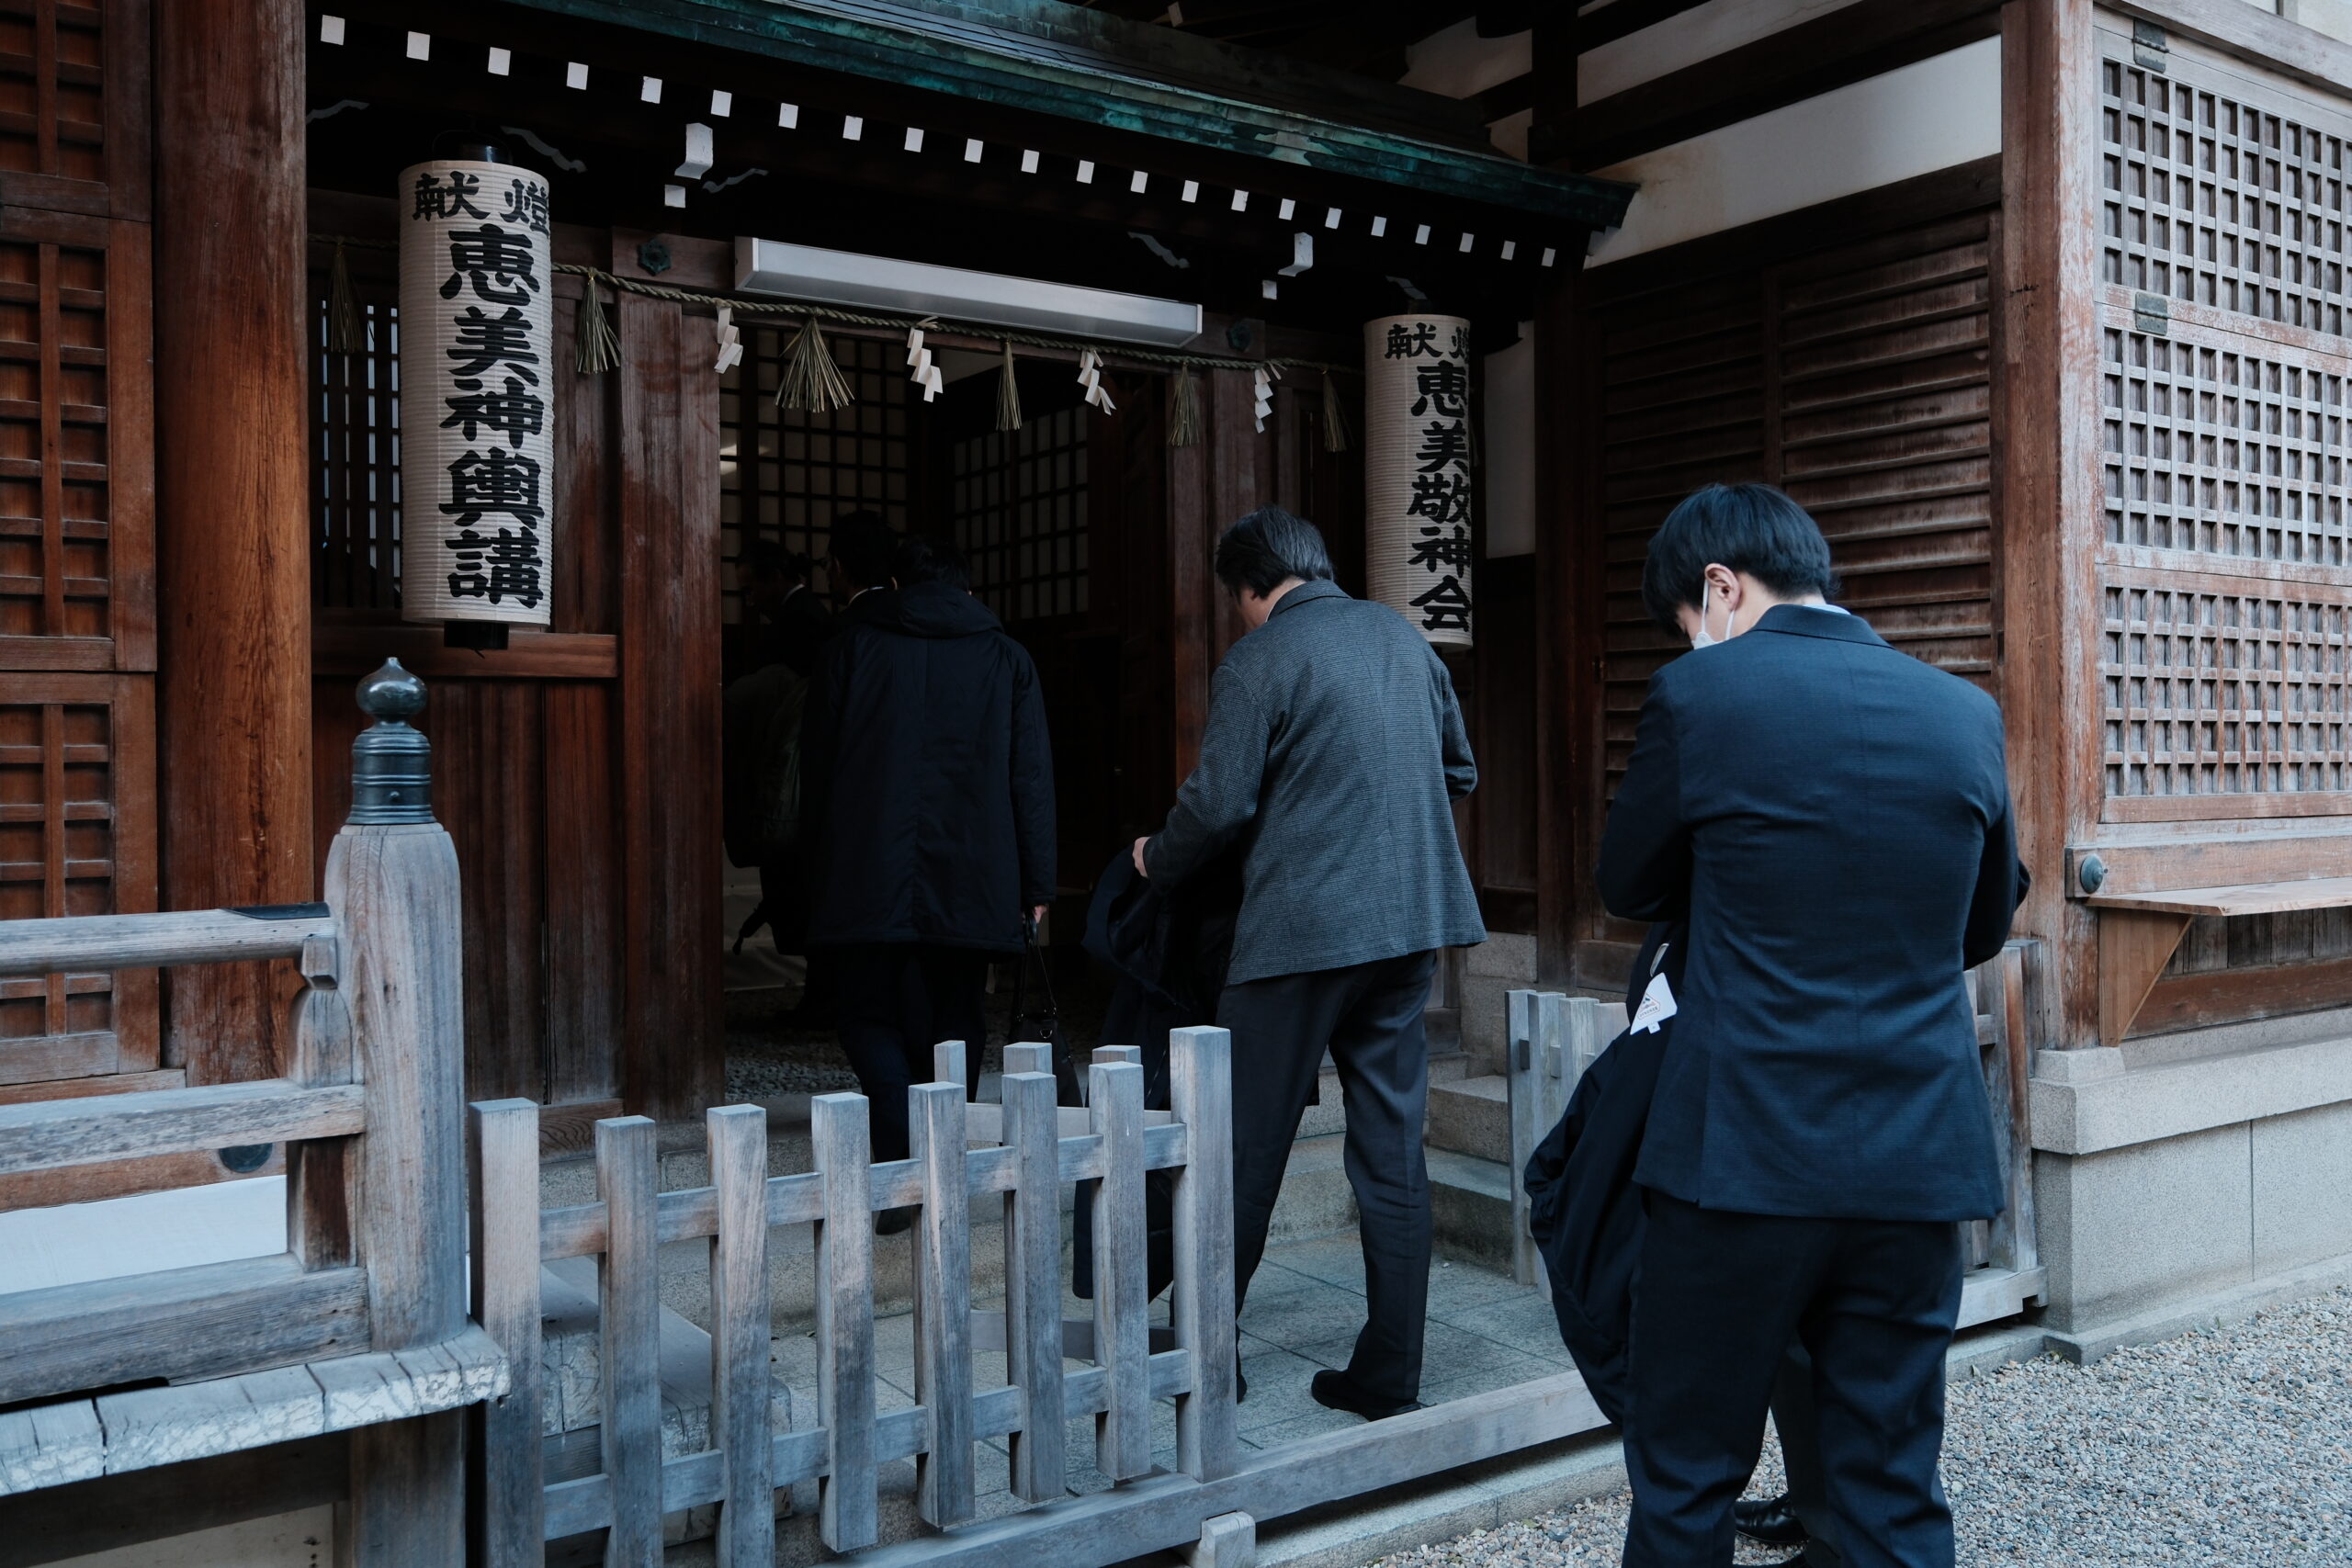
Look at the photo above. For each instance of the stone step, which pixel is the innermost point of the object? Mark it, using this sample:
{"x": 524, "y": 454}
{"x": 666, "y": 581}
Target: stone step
{"x": 1470, "y": 1208}
{"x": 1470, "y": 1116}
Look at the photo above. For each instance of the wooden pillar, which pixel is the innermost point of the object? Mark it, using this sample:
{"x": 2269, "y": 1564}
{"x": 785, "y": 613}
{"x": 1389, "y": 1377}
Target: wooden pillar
{"x": 674, "y": 1046}
{"x": 1567, "y": 611}
{"x": 233, "y": 500}
{"x": 2049, "y": 521}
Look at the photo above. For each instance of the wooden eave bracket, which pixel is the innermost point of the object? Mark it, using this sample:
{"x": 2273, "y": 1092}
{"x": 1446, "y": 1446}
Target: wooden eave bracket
{"x": 2134, "y": 945}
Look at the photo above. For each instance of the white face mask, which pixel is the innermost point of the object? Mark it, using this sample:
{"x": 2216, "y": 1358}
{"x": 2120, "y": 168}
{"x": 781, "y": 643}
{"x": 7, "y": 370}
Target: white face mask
{"x": 1703, "y": 638}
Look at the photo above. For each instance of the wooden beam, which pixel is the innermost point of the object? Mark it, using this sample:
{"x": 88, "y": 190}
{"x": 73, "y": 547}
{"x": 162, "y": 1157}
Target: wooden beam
{"x": 234, "y": 485}
{"x": 209, "y": 1321}
{"x": 1862, "y": 39}
{"x": 2291, "y": 49}
{"x": 2046, "y": 457}
{"x": 52, "y": 1135}
{"x": 1568, "y": 605}
{"x": 355, "y": 650}
{"x": 82, "y": 943}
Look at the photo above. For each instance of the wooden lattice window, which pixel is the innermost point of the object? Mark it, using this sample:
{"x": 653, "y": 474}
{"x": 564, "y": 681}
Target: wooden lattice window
{"x": 1019, "y": 508}
{"x": 2215, "y": 193}
{"x": 52, "y": 119}
{"x": 2219, "y": 685}
{"x": 54, "y": 498}
{"x": 2224, "y": 446}
{"x": 785, "y": 474}
{"x": 356, "y": 463}
{"x": 77, "y": 836}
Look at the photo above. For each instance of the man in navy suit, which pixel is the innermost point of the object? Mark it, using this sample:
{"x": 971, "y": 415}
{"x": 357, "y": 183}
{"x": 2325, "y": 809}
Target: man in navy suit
{"x": 1832, "y": 817}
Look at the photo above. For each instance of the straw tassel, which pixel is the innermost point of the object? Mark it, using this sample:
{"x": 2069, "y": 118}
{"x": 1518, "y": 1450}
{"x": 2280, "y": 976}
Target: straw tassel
{"x": 1336, "y": 436}
{"x": 346, "y": 333}
{"x": 1185, "y": 408}
{"x": 811, "y": 380}
{"x": 598, "y": 349}
{"x": 1008, "y": 394}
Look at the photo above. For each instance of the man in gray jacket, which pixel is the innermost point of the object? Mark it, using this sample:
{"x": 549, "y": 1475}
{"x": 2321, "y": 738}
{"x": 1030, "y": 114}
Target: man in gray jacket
{"x": 1334, "y": 750}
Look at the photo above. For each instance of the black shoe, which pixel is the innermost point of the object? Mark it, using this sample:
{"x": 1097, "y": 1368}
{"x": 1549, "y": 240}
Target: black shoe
{"x": 1769, "y": 1520}
{"x": 1334, "y": 1391}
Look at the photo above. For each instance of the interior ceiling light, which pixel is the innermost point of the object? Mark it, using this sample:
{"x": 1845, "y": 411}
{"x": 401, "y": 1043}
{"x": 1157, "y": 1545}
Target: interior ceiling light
{"x": 916, "y": 288}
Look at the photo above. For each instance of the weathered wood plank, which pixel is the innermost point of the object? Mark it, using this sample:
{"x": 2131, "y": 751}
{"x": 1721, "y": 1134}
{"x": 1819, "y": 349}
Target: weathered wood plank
{"x": 1033, "y": 1282}
{"x": 1122, "y": 1435}
{"x": 944, "y": 1484}
{"x": 1524, "y": 1074}
{"x": 1164, "y": 1512}
{"x": 422, "y": 1380}
{"x": 948, "y": 1059}
{"x": 1203, "y": 1304}
{"x": 207, "y": 1321}
{"x": 166, "y": 1425}
{"x": 507, "y": 1491}
{"x": 740, "y": 1425}
{"x": 55, "y": 1134}
{"x": 51, "y": 1445}
{"x": 320, "y": 1052}
{"x": 1229, "y": 1540}
{"x": 408, "y": 1492}
{"x": 79, "y": 944}
{"x": 840, "y": 1138}
{"x": 629, "y": 1340}
{"x": 1028, "y": 1057}
{"x": 396, "y": 890}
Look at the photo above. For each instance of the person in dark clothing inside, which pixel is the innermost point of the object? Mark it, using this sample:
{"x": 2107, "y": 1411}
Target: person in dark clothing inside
{"x": 1832, "y": 817}
{"x": 928, "y": 789}
{"x": 789, "y": 623}
{"x": 1334, "y": 752}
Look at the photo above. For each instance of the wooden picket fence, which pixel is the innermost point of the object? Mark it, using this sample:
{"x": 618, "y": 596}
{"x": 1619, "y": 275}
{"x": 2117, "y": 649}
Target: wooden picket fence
{"x": 1025, "y": 1154}
{"x": 360, "y": 1324}
{"x": 1553, "y": 1038}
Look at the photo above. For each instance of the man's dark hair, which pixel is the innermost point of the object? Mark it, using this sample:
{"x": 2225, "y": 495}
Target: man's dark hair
{"x": 1751, "y": 528}
{"x": 1267, "y": 548}
{"x": 766, "y": 557}
{"x": 922, "y": 558}
{"x": 860, "y": 547}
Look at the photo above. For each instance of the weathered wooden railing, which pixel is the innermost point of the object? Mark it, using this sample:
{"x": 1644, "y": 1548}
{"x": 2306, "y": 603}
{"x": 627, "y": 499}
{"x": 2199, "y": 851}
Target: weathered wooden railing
{"x": 1025, "y": 1157}
{"x": 1554, "y": 1038}
{"x": 360, "y": 1324}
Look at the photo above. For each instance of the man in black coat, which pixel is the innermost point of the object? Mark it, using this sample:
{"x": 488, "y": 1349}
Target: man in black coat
{"x": 928, "y": 776}
{"x": 1832, "y": 817}
{"x": 1334, "y": 752}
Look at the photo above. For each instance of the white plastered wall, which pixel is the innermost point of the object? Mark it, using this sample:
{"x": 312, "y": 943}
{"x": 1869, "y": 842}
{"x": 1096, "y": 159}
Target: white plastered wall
{"x": 1927, "y": 115}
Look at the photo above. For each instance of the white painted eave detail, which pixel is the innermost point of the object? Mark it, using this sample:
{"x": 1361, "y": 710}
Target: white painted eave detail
{"x": 918, "y": 289}
{"x": 1688, "y": 38}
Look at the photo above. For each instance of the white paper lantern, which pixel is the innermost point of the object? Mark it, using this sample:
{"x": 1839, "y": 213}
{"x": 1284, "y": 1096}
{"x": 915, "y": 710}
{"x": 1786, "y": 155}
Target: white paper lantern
{"x": 1417, "y": 471}
{"x": 477, "y": 393}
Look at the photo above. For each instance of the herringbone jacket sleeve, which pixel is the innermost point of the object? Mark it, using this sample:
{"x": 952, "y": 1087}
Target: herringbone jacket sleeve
{"x": 1220, "y": 798}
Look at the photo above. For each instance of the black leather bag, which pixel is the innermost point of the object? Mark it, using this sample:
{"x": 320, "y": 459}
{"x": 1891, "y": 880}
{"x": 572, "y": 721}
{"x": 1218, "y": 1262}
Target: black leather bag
{"x": 1040, "y": 1023}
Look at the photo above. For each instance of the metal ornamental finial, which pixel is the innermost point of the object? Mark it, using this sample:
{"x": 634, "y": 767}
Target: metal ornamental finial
{"x": 391, "y": 763}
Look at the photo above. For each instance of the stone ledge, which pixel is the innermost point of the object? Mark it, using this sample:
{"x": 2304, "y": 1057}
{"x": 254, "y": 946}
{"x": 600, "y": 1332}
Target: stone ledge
{"x": 2145, "y": 1104}
{"x": 2217, "y": 1310}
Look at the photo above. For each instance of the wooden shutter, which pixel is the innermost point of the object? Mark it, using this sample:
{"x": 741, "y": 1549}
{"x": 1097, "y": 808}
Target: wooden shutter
{"x": 1858, "y": 378}
{"x": 77, "y": 637}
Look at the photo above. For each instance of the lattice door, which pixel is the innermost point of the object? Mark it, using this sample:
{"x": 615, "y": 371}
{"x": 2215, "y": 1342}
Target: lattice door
{"x": 2225, "y": 578}
{"x": 77, "y": 641}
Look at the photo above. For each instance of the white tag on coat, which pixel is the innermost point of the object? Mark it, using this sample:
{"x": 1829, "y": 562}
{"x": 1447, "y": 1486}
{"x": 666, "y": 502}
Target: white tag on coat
{"x": 1658, "y": 1006}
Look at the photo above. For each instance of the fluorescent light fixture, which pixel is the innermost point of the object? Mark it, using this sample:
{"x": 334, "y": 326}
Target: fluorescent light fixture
{"x": 916, "y": 288}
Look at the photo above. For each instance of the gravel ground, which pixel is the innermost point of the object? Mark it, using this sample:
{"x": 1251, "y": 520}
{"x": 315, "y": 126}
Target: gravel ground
{"x": 2231, "y": 1447}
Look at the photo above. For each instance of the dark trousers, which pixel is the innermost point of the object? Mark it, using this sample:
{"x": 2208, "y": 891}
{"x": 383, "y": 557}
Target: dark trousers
{"x": 1797, "y": 1420}
{"x": 896, "y": 1002}
{"x": 1369, "y": 1015}
{"x": 1720, "y": 1297}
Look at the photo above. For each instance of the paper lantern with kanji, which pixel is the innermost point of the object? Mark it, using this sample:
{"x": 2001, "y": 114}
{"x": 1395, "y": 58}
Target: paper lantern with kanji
{"x": 1417, "y": 456}
{"x": 477, "y": 393}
